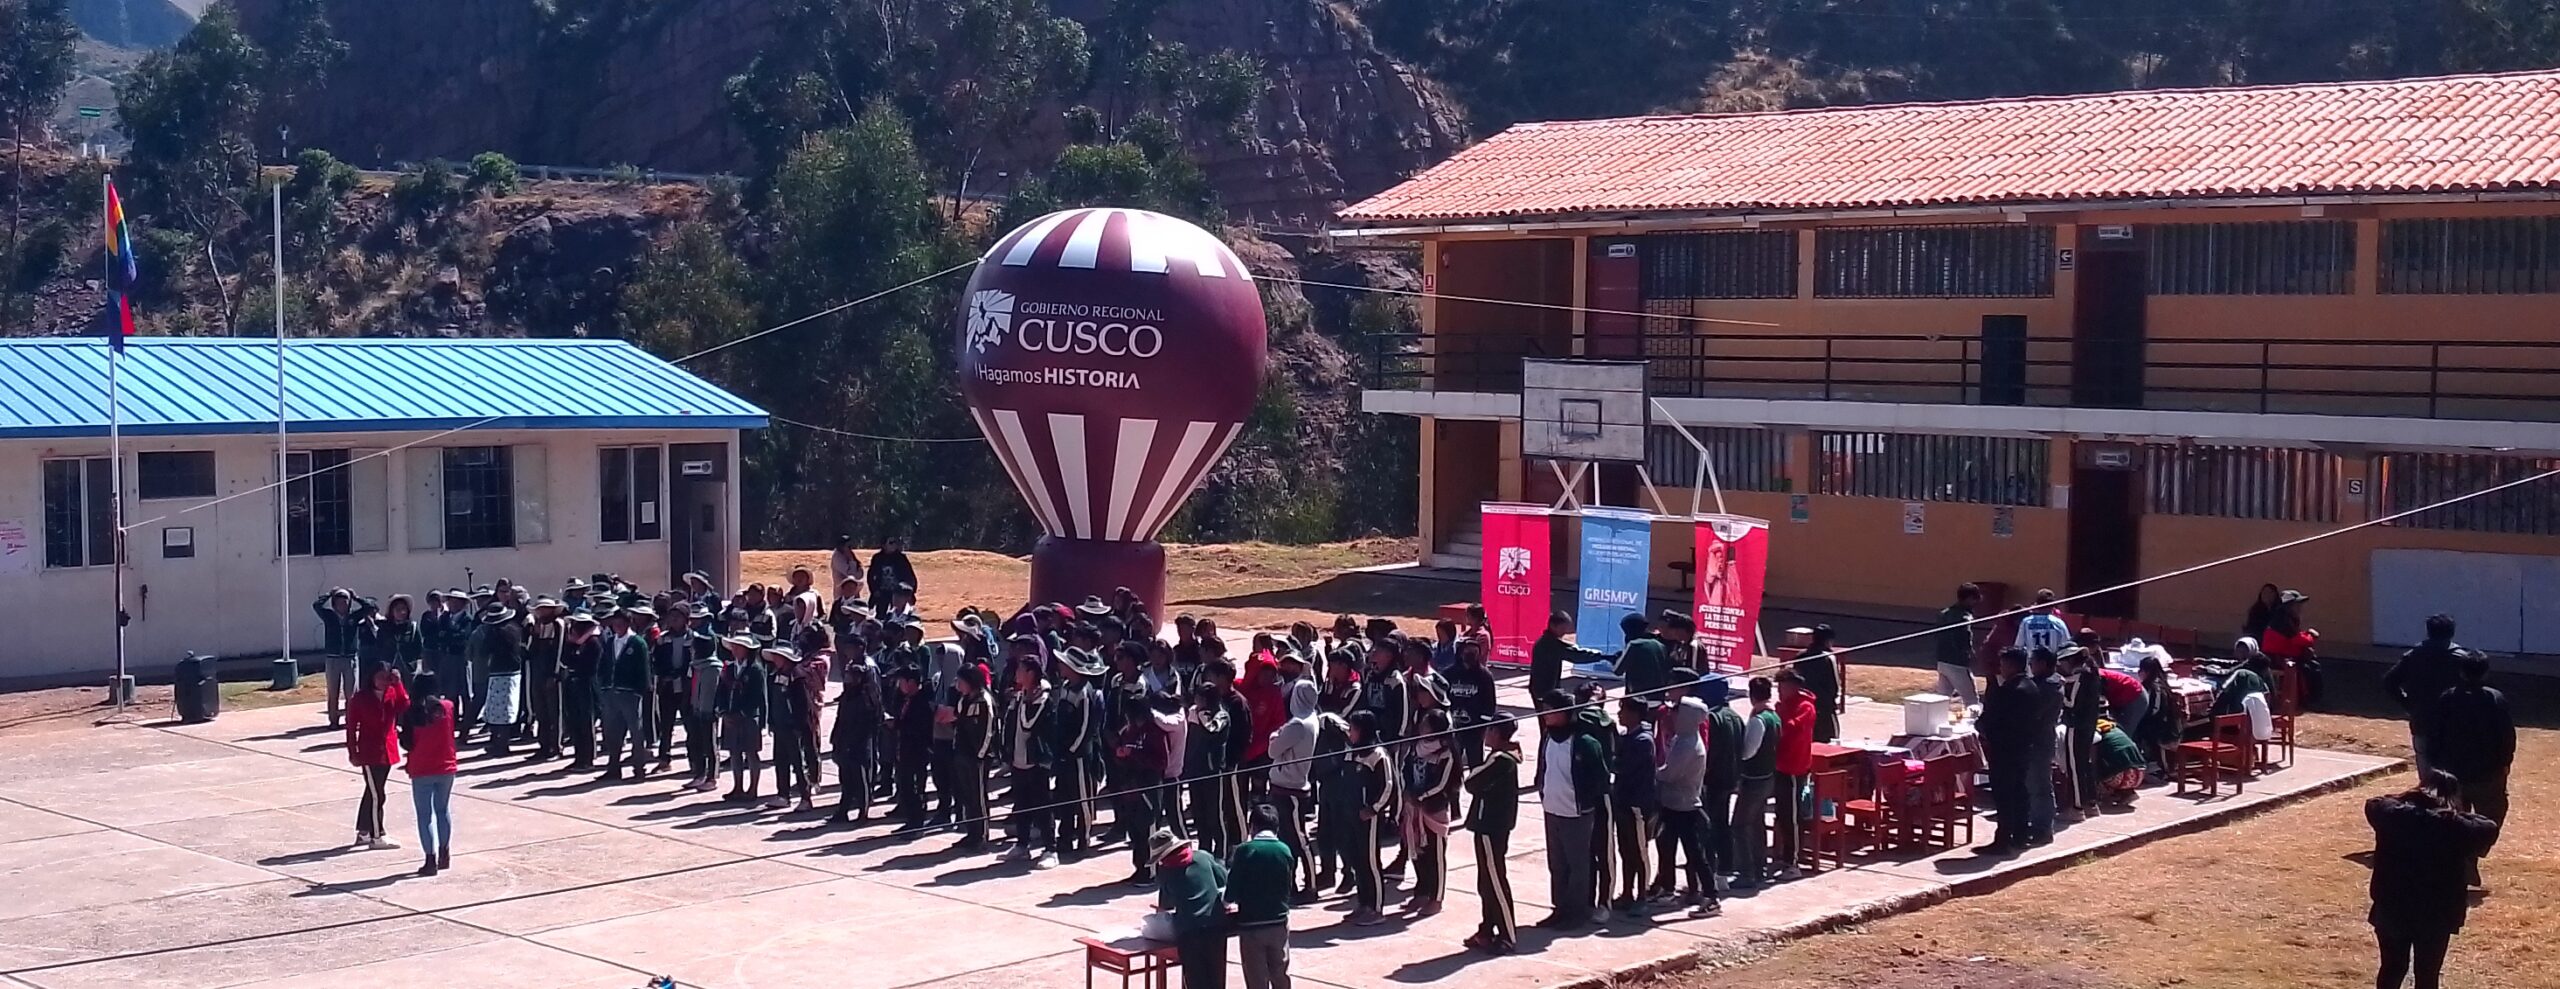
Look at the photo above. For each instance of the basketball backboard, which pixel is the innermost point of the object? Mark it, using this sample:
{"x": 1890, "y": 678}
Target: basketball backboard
{"x": 1583, "y": 410}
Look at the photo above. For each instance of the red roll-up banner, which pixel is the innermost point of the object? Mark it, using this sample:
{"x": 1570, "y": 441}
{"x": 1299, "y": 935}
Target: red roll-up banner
{"x": 1733, "y": 567}
{"x": 1517, "y": 578}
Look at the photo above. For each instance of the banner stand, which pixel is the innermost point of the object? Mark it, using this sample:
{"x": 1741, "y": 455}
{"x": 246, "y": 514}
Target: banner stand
{"x": 1518, "y": 579}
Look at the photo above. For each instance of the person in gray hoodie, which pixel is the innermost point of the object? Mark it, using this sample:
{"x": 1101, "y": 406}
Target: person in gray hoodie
{"x": 1293, "y": 751}
{"x": 1679, "y": 788}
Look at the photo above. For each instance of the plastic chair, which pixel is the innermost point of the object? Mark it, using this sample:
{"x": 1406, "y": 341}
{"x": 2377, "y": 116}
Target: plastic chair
{"x": 1826, "y": 832}
{"x": 1949, "y": 780}
{"x": 1880, "y": 819}
{"x": 2179, "y": 641}
{"x": 2203, "y": 761}
{"x": 2110, "y": 629}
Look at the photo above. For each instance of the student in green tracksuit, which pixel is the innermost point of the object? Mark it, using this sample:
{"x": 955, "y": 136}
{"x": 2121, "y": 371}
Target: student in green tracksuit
{"x": 1493, "y": 809}
{"x": 1262, "y": 878}
{"x": 1191, "y": 888}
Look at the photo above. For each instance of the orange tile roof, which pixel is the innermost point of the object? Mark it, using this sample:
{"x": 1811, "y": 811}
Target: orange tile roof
{"x": 2478, "y": 133}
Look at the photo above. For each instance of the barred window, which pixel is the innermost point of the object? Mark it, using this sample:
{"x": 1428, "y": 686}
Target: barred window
{"x": 1745, "y": 459}
{"x": 1987, "y": 470}
{"x": 2484, "y": 256}
{"x": 2243, "y": 482}
{"x": 2412, "y": 480}
{"x": 1969, "y": 261}
{"x": 2272, "y": 258}
{"x": 1731, "y": 264}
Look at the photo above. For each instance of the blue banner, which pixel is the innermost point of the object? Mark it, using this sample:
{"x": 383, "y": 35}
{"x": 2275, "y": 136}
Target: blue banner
{"x": 1617, "y": 554}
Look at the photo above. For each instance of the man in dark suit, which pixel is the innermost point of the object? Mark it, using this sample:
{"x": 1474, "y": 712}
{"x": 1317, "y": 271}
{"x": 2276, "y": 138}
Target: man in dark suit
{"x": 2008, "y": 716}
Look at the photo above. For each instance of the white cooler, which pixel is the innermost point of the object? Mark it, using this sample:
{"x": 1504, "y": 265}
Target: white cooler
{"x": 1922, "y": 714}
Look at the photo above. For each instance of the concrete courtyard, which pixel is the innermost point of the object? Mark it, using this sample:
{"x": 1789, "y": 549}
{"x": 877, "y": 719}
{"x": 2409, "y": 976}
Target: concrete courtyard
{"x": 216, "y": 855}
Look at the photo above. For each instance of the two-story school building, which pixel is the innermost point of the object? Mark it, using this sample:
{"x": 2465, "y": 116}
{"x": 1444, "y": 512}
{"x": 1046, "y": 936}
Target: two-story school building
{"x": 2059, "y": 342}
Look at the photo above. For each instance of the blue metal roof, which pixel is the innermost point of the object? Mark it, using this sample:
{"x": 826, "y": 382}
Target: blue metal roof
{"x": 184, "y": 386}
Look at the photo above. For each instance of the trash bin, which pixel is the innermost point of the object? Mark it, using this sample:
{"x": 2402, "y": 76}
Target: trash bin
{"x": 197, "y": 688}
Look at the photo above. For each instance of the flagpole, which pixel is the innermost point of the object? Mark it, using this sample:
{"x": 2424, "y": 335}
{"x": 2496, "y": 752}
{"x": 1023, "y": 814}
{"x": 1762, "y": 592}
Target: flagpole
{"x": 115, "y": 441}
{"x": 284, "y": 524}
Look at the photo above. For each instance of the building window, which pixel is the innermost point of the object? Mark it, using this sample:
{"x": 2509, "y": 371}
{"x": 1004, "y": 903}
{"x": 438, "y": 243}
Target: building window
{"x": 479, "y": 498}
{"x": 2411, "y": 480}
{"x": 2243, "y": 482}
{"x": 79, "y": 512}
{"x": 1745, "y": 459}
{"x": 627, "y": 486}
{"x": 1733, "y": 264}
{"x": 1988, "y": 470}
{"x": 2484, "y": 256}
{"x": 1974, "y": 261}
{"x": 2272, "y": 258}
{"x": 318, "y": 500}
{"x": 180, "y": 474}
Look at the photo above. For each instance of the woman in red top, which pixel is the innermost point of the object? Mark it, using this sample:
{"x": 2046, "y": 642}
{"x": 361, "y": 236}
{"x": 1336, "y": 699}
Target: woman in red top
{"x": 2288, "y": 645}
{"x": 373, "y": 747}
{"x": 432, "y": 764}
{"x": 1795, "y": 767}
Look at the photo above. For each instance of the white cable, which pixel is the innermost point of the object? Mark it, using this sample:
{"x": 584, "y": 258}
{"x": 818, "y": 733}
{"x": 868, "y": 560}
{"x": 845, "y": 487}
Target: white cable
{"x": 483, "y": 422}
{"x": 1557, "y": 306}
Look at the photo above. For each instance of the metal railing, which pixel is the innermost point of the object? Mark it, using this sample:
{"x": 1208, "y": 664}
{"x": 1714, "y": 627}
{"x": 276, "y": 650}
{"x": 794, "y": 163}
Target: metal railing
{"x": 2448, "y": 379}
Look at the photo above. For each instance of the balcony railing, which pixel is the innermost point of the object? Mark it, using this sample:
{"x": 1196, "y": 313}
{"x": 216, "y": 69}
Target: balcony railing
{"x": 2444, "y": 379}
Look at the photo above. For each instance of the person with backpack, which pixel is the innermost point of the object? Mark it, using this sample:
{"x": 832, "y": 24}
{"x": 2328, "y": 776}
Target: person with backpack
{"x": 2419, "y": 680}
{"x": 1632, "y": 806}
{"x": 1292, "y": 793}
{"x": 1493, "y": 809}
{"x": 1430, "y": 788}
{"x": 1139, "y": 754}
{"x": 1368, "y": 790}
{"x": 1680, "y": 791}
{"x": 433, "y": 762}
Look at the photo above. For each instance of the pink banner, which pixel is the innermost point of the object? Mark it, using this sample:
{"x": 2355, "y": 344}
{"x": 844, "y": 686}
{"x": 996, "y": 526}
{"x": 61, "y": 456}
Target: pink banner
{"x": 1733, "y": 566}
{"x": 1517, "y": 578}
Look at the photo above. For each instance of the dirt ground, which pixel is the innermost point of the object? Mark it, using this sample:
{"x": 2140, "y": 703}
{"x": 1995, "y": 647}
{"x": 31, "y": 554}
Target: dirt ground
{"x": 2276, "y": 901}
{"x": 1241, "y": 585}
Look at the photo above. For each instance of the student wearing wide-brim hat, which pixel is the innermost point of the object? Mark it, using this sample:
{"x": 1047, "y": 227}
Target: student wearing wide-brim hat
{"x": 1191, "y": 888}
{"x": 741, "y": 703}
{"x": 581, "y": 657}
{"x": 626, "y": 684}
{"x": 545, "y": 638}
{"x": 500, "y": 653}
{"x": 787, "y": 719}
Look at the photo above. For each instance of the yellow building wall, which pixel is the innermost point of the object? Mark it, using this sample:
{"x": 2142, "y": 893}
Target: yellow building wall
{"x": 2337, "y": 572}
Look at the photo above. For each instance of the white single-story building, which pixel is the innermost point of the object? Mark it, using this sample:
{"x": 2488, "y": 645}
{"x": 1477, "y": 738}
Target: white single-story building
{"x": 413, "y": 465}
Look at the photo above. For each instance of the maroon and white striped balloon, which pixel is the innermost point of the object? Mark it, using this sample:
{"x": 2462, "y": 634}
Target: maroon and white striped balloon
{"x": 1110, "y": 356}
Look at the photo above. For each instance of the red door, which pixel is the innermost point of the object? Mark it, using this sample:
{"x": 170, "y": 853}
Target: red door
{"x": 1616, "y": 274}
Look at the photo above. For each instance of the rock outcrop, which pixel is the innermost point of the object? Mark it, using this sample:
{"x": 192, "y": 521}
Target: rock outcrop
{"x": 451, "y": 78}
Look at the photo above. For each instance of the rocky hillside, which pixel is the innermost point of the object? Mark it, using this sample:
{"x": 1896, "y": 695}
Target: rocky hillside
{"x": 450, "y": 78}
{"x": 133, "y": 23}
{"x": 377, "y": 258}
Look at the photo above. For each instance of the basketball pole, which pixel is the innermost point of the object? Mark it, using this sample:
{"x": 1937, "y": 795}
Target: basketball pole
{"x": 1706, "y": 462}
{"x": 1707, "y": 477}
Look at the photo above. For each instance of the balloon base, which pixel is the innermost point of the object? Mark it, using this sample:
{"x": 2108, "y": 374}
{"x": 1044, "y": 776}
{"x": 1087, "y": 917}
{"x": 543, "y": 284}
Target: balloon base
{"x": 1066, "y": 571}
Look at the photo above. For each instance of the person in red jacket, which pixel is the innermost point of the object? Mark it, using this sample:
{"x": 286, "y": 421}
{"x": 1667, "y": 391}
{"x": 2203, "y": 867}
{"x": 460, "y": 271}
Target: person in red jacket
{"x": 1266, "y": 705}
{"x": 433, "y": 762}
{"x": 373, "y": 747}
{"x": 1795, "y": 765}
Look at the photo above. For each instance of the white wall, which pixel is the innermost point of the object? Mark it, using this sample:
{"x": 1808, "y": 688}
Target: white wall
{"x": 224, "y": 600}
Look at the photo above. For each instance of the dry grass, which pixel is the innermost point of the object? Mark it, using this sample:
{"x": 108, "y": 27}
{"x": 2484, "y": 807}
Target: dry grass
{"x": 2275, "y": 901}
{"x": 1242, "y": 585}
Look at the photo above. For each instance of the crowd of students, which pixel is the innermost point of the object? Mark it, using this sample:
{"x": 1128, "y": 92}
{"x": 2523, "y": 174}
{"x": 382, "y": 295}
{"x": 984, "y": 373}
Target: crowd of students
{"x": 1317, "y": 750}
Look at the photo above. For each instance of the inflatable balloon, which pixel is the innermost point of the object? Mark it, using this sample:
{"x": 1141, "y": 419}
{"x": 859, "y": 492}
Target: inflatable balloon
{"x": 1110, "y": 356}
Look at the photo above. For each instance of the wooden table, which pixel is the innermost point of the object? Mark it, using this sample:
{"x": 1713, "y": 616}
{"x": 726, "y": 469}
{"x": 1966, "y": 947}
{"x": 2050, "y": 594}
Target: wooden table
{"x": 1129, "y": 958}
